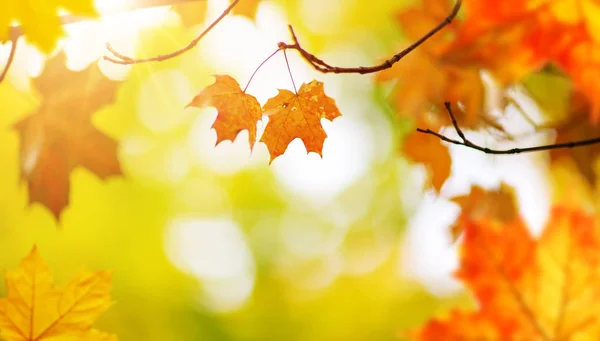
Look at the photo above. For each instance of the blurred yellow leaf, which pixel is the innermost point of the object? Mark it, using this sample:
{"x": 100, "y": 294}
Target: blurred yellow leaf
{"x": 247, "y": 8}
{"x": 36, "y": 310}
{"x": 39, "y": 19}
{"x": 191, "y": 13}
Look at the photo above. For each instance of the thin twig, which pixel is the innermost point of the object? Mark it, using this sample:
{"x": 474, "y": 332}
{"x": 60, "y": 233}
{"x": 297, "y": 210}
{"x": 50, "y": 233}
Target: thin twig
{"x": 125, "y": 60}
{"x": 258, "y": 68}
{"x": 465, "y": 142}
{"x": 11, "y": 56}
{"x": 322, "y": 66}
{"x": 287, "y": 63}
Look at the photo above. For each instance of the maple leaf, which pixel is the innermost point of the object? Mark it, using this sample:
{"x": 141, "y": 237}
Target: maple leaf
{"x": 430, "y": 152}
{"x": 577, "y": 126}
{"x": 34, "y": 310}
{"x": 298, "y": 115}
{"x": 59, "y": 135}
{"x": 246, "y": 8}
{"x": 497, "y": 204}
{"x": 236, "y": 110}
{"x": 426, "y": 77}
{"x": 39, "y": 20}
{"x": 513, "y": 38}
{"x": 527, "y": 289}
{"x": 191, "y": 13}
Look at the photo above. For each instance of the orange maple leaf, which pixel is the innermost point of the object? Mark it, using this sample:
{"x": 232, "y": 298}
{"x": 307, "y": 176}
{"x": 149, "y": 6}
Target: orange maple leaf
{"x": 432, "y": 153}
{"x": 514, "y": 37}
{"x": 246, "y": 8}
{"x": 59, "y": 135}
{"x": 236, "y": 110}
{"x": 298, "y": 115}
{"x": 427, "y": 77}
{"x": 527, "y": 289}
{"x": 191, "y": 13}
{"x": 35, "y": 310}
{"x": 499, "y": 204}
{"x": 578, "y": 127}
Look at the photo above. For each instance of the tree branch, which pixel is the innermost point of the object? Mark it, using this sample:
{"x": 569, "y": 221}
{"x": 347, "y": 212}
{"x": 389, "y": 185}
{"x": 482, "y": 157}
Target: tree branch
{"x": 125, "y": 60}
{"x": 465, "y": 142}
{"x": 323, "y": 67}
{"x": 11, "y": 56}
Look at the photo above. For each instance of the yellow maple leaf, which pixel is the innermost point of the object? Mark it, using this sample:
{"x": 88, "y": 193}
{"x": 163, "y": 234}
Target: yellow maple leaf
{"x": 247, "y": 8}
{"x": 35, "y": 310}
{"x": 298, "y": 115}
{"x": 236, "y": 109}
{"x": 527, "y": 288}
{"x": 39, "y": 19}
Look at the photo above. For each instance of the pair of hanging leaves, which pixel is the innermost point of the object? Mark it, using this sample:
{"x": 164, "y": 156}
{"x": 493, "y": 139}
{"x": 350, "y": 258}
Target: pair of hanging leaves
{"x": 35, "y": 310}
{"x": 526, "y": 288}
{"x": 291, "y": 115}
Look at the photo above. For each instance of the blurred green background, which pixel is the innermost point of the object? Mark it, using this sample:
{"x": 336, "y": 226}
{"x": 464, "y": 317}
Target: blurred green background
{"x": 212, "y": 243}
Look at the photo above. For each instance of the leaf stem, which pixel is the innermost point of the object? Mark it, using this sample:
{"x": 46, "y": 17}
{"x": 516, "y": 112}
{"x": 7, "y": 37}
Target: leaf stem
{"x": 258, "y": 68}
{"x": 287, "y": 63}
{"x": 11, "y": 56}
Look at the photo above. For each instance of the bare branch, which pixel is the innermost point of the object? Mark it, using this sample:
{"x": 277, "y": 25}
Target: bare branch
{"x": 11, "y": 56}
{"x": 125, "y": 60}
{"x": 323, "y": 67}
{"x": 465, "y": 142}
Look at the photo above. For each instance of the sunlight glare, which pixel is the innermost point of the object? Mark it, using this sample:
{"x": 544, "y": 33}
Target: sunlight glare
{"x": 306, "y": 237}
{"x": 347, "y": 155}
{"x": 226, "y": 157}
{"x": 315, "y": 274}
{"x": 428, "y": 254}
{"x": 28, "y": 62}
{"x": 162, "y": 100}
{"x": 365, "y": 249}
{"x": 87, "y": 40}
{"x": 214, "y": 251}
{"x": 161, "y": 163}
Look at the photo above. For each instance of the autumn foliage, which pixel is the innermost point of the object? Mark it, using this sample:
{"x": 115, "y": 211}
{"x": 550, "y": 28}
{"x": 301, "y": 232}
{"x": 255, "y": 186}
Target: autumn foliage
{"x": 526, "y": 288}
{"x": 35, "y": 310}
{"x": 476, "y": 74}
